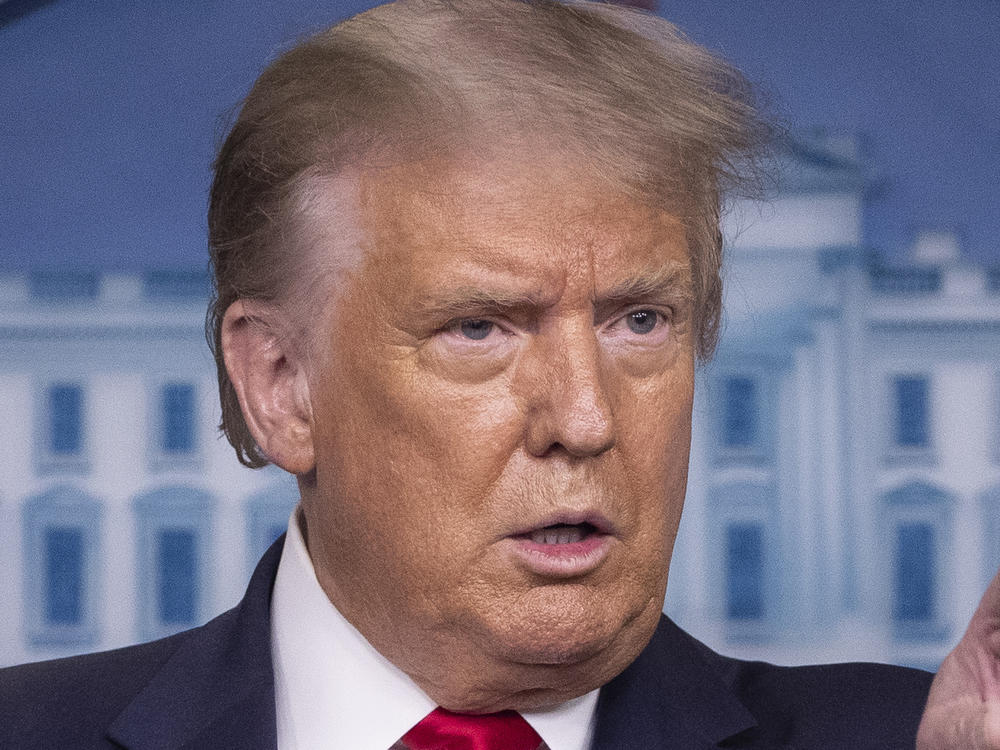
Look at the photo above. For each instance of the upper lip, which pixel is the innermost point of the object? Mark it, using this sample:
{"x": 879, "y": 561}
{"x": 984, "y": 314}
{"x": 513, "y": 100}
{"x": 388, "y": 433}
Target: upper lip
{"x": 571, "y": 518}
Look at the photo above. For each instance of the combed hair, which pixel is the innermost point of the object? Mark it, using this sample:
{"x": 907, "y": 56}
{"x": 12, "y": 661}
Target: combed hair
{"x": 616, "y": 90}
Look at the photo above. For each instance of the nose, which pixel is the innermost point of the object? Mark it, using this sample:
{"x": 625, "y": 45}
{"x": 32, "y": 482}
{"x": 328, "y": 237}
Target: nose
{"x": 567, "y": 392}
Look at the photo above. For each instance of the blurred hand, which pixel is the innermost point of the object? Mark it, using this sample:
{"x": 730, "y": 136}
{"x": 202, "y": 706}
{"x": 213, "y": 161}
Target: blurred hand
{"x": 963, "y": 709}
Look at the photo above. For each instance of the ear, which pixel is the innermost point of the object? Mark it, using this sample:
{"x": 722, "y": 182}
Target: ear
{"x": 270, "y": 378}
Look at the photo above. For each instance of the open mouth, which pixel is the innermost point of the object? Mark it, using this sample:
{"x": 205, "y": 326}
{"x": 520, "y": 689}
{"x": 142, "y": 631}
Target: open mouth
{"x": 562, "y": 533}
{"x": 564, "y": 549}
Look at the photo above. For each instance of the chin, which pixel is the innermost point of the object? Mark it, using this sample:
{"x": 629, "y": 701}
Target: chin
{"x": 560, "y": 650}
{"x": 544, "y": 647}
{"x": 556, "y": 626}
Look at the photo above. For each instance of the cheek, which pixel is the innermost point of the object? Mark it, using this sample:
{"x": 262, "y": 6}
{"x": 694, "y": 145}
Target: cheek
{"x": 654, "y": 418}
{"x": 428, "y": 448}
{"x": 655, "y": 438}
{"x": 464, "y": 432}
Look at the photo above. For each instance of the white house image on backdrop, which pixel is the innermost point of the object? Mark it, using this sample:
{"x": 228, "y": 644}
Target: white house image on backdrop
{"x": 844, "y": 490}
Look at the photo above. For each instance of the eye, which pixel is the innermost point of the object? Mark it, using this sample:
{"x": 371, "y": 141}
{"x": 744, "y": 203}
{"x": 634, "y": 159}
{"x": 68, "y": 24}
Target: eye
{"x": 643, "y": 327}
{"x": 642, "y": 321}
{"x": 475, "y": 329}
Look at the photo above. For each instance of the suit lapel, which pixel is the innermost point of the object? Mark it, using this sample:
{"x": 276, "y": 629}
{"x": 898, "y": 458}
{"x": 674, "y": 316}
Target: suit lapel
{"x": 217, "y": 689}
{"x": 670, "y": 697}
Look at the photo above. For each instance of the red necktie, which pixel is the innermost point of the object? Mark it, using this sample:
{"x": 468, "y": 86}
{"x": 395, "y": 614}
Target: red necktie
{"x": 444, "y": 730}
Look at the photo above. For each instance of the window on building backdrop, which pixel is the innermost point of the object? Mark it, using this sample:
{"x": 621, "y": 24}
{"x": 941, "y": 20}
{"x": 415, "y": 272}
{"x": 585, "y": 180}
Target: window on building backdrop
{"x": 912, "y": 412}
{"x": 177, "y": 576}
{"x": 914, "y": 583}
{"x": 174, "y": 435}
{"x": 745, "y": 570}
{"x": 173, "y": 533}
{"x": 61, "y": 430}
{"x": 63, "y": 555}
{"x": 61, "y": 538}
{"x": 918, "y": 522}
{"x": 740, "y": 421}
{"x": 739, "y": 536}
{"x": 178, "y": 409}
{"x": 65, "y": 419}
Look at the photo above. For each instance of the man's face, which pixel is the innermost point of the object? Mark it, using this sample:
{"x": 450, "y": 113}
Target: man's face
{"x": 501, "y": 407}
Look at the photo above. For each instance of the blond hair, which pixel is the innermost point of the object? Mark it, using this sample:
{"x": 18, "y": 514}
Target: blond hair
{"x": 628, "y": 95}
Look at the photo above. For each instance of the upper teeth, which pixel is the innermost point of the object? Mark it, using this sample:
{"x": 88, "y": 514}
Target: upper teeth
{"x": 561, "y": 535}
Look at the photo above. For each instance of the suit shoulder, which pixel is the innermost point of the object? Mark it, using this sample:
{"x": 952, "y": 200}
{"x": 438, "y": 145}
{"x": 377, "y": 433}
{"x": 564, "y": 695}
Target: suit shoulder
{"x": 44, "y": 704}
{"x": 860, "y": 705}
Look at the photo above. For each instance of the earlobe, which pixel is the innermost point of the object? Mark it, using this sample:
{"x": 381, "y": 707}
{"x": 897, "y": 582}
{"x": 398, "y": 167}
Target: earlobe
{"x": 271, "y": 382}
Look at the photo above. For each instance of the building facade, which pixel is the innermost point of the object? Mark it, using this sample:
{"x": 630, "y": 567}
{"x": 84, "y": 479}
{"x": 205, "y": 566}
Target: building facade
{"x": 123, "y": 515}
{"x": 844, "y": 488}
{"x": 844, "y": 492}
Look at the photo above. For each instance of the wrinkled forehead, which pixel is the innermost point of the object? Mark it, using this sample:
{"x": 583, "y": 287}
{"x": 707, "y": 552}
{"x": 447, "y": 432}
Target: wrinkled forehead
{"x": 522, "y": 200}
{"x": 533, "y": 188}
{"x": 512, "y": 227}
{"x": 440, "y": 232}
{"x": 529, "y": 211}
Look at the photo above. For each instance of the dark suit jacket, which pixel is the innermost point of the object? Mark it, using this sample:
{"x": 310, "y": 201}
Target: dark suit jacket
{"x": 212, "y": 687}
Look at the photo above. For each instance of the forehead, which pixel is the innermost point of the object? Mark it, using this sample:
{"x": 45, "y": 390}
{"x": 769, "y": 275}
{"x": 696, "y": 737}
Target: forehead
{"x": 530, "y": 216}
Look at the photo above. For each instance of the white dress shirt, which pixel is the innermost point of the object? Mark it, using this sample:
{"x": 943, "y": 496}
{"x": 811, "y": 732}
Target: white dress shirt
{"x": 333, "y": 690}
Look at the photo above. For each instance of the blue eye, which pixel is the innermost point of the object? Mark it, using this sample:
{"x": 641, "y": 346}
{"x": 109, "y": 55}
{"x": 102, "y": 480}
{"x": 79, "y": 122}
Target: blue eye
{"x": 641, "y": 321}
{"x": 475, "y": 328}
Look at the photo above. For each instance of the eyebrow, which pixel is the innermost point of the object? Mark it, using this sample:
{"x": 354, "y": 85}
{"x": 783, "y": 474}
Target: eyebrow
{"x": 670, "y": 283}
{"x": 474, "y": 300}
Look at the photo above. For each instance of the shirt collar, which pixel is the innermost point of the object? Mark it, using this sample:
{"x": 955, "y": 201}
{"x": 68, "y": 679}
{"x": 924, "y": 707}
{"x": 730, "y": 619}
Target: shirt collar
{"x": 333, "y": 689}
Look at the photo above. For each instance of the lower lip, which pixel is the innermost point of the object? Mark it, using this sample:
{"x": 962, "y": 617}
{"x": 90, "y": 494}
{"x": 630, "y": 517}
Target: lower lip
{"x": 562, "y": 560}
